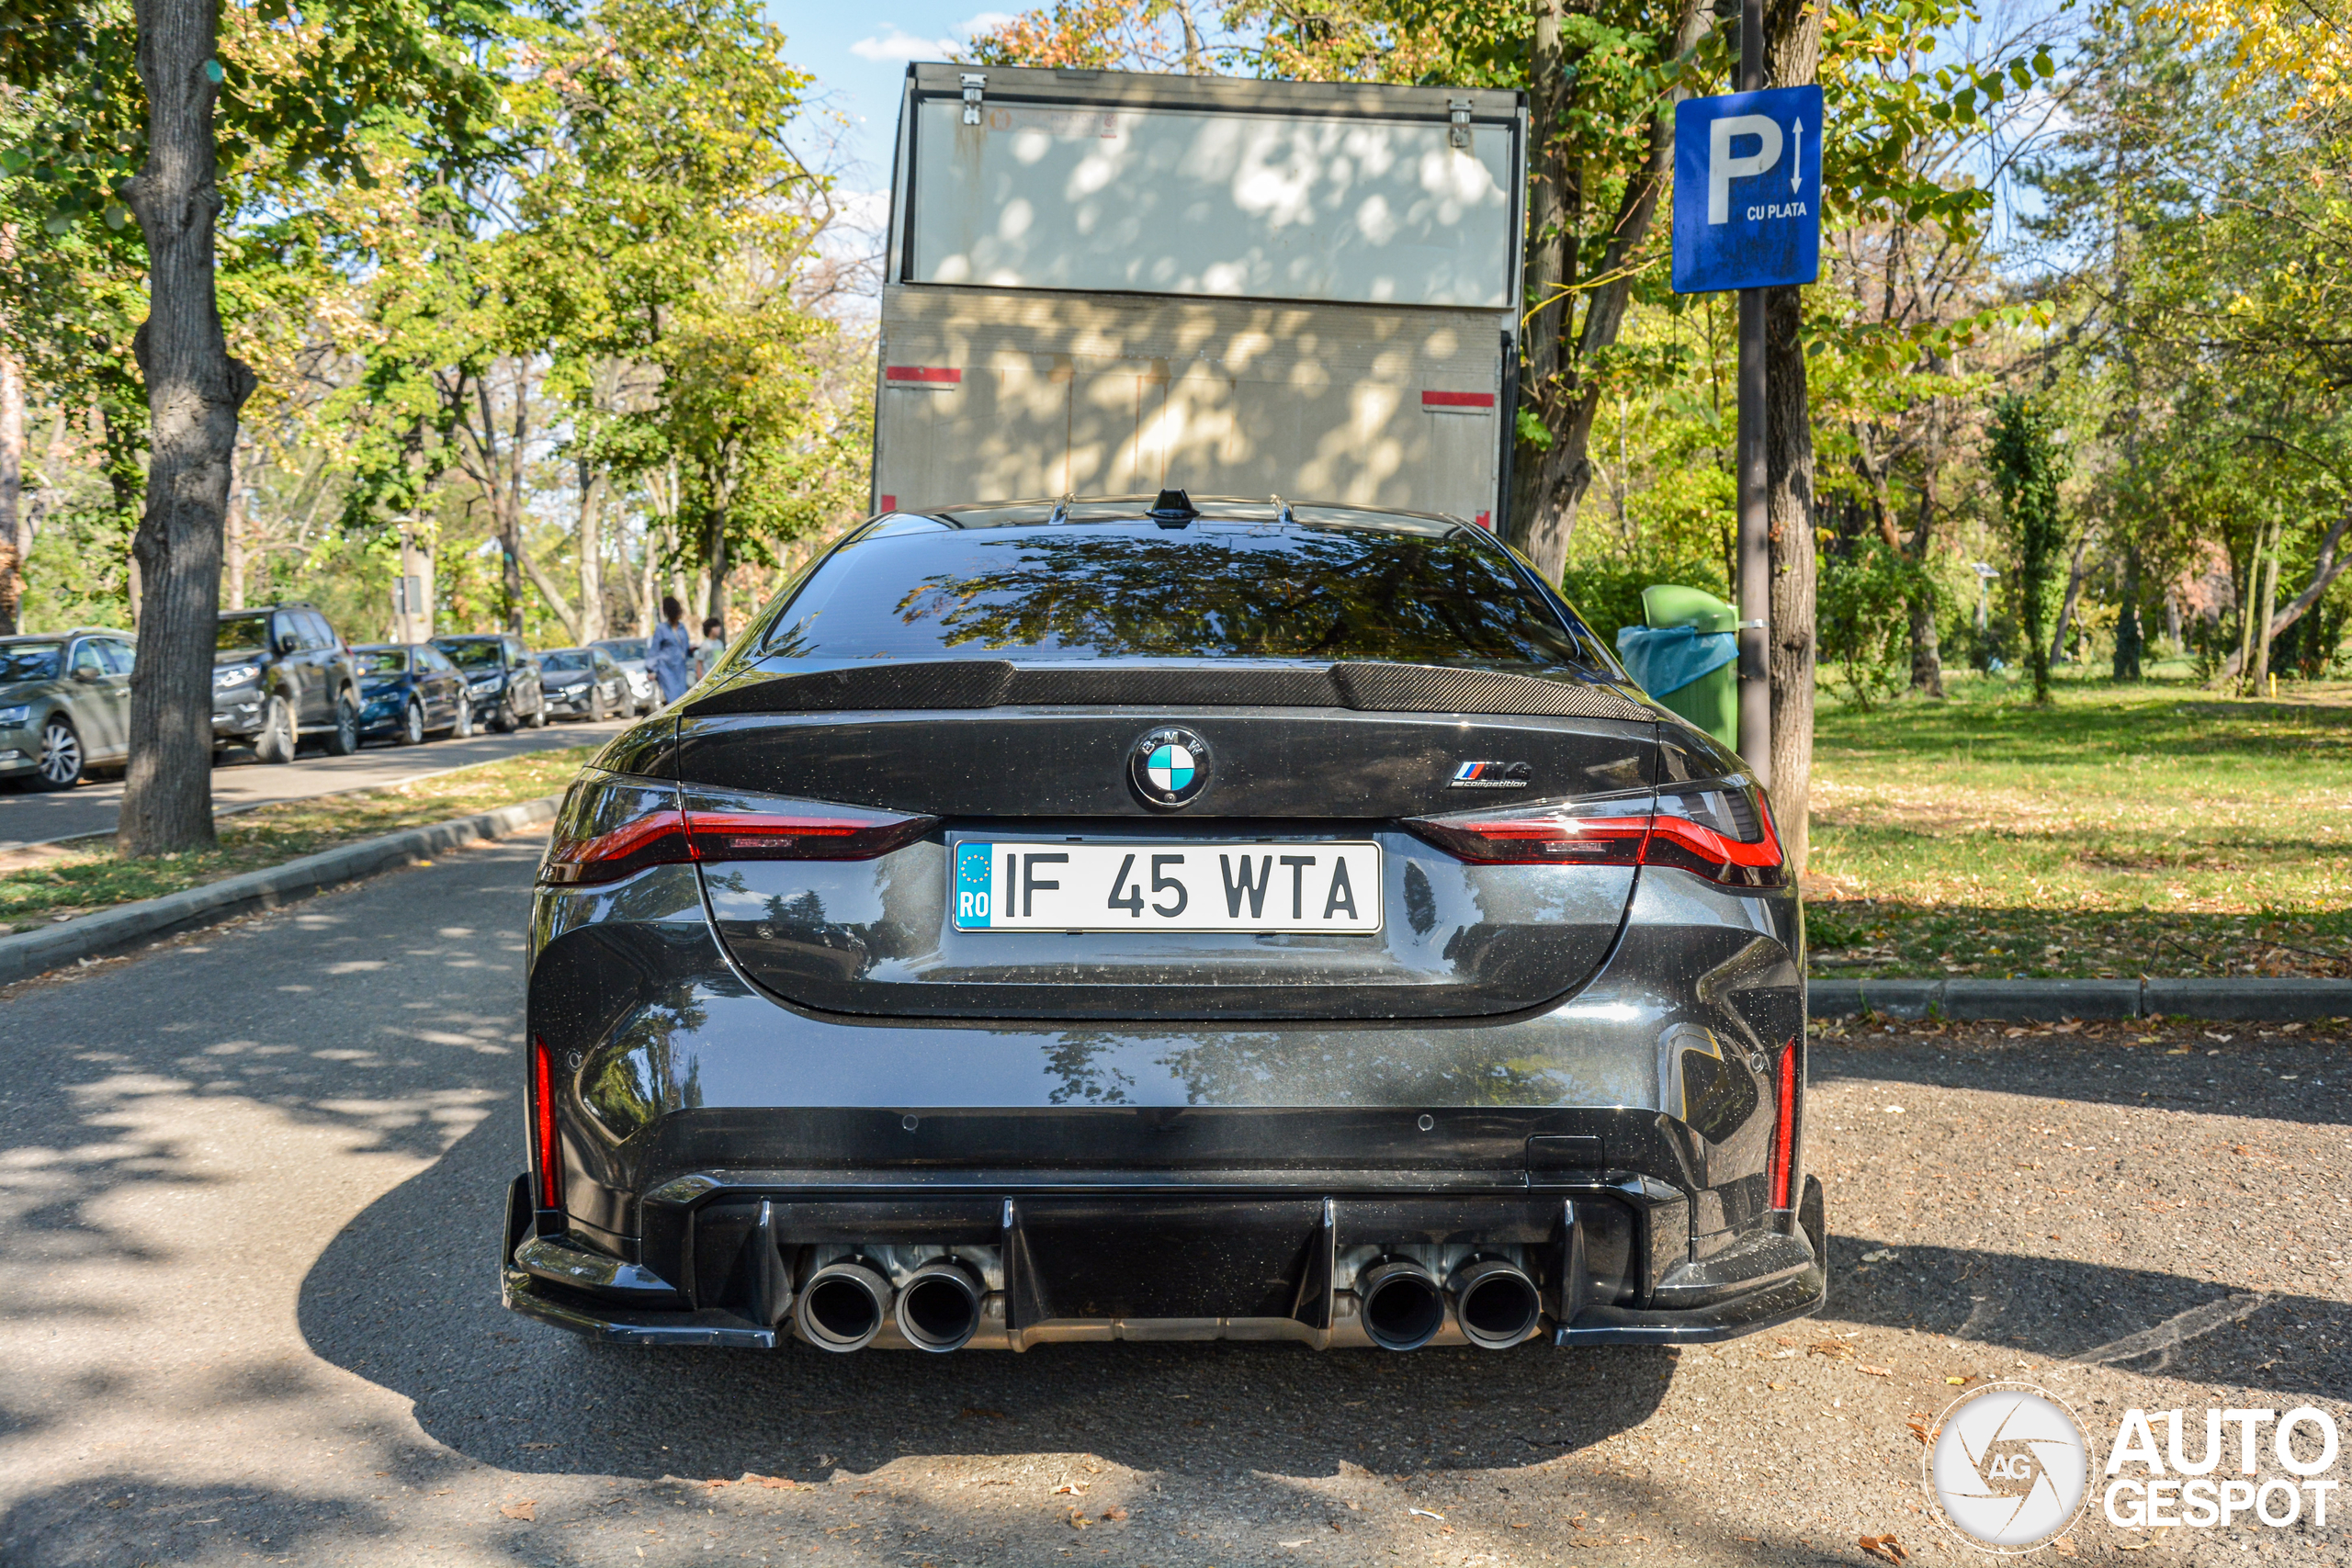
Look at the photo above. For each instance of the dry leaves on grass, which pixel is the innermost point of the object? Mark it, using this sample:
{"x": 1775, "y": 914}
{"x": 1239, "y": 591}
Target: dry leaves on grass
{"x": 527, "y": 1510}
{"x": 1886, "y": 1548}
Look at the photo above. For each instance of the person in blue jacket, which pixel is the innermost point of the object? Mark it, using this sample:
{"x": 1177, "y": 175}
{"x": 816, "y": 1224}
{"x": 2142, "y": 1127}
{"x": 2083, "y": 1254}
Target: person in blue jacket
{"x": 669, "y": 652}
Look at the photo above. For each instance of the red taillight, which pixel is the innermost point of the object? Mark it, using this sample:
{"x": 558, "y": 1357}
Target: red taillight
{"x": 1599, "y": 830}
{"x": 1784, "y": 1128}
{"x": 613, "y": 825}
{"x": 732, "y": 825}
{"x": 1721, "y": 829}
{"x": 544, "y": 1148}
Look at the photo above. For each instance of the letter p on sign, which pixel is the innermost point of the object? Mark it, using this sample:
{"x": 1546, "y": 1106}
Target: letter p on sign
{"x": 1748, "y": 190}
{"x": 1723, "y": 166}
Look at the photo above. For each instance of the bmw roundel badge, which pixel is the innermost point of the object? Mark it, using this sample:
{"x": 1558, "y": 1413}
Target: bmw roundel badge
{"x": 1168, "y": 767}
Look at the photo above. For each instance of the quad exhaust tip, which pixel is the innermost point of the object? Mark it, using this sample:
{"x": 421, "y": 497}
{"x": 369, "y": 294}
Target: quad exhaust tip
{"x": 939, "y": 1310}
{"x": 1400, "y": 1304}
{"x": 1496, "y": 1303}
{"x": 843, "y": 1305}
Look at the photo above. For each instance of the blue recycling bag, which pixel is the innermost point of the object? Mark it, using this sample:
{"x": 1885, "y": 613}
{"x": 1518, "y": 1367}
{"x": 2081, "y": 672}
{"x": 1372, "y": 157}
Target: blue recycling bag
{"x": 1666, "y": 659}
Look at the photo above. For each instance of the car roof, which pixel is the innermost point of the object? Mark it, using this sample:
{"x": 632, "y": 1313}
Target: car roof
{"x": 1271, "y": 510}
{"x": 61, "y": 636}
{"x": 473, "y": 636}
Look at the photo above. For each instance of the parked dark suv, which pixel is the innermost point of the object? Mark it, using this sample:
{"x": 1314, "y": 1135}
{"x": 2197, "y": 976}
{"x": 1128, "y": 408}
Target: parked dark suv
{"x": 281, "y": 672}
{"x": 502, "y": 677}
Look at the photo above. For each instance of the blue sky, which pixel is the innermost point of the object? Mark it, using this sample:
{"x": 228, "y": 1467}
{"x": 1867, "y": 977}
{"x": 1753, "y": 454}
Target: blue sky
{"x": 859, "y": 53}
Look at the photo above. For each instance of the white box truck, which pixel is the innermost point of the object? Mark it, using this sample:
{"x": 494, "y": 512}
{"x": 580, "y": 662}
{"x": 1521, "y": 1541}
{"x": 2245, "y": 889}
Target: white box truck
{"x": 1101, "y": 283}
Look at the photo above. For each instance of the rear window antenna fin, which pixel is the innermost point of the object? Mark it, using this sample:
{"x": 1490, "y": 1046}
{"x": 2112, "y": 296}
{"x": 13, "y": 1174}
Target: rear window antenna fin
{"x": 1174, "y": 509}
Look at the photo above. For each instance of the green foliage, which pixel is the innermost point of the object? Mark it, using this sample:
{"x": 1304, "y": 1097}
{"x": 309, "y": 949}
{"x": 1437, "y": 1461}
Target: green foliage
{"x": 2027, "y": 468}
{"x": 1863, "y": 619}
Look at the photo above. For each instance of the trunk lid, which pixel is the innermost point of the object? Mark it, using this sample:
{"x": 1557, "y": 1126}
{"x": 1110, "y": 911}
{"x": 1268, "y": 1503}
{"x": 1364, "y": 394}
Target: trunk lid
{"x": 878, "y": 936}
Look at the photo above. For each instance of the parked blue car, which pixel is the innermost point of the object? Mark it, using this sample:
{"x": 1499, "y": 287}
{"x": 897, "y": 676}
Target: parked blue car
{"x": 409, "y": 689}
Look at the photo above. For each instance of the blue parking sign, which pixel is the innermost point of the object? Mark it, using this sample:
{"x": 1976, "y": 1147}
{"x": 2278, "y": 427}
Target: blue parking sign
{"x": 1748, "y": 190}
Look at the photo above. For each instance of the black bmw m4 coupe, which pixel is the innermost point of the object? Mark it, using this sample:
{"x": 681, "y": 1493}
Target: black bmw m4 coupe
{"x": 1150, "y": 919}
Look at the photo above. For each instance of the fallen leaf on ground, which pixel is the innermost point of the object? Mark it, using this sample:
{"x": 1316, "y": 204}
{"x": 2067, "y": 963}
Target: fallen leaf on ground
{"x": 526, "y": 1510}
{"x": 1070, "y": 1488}
{"x": 1957, "y": 1383}
{"x": 1886, "y": 1548}
{"x": 2064, "y": 1546}
{"x": 775, "y": 1483}
{"x": 1077, "y": 1519}
{"x": 1919, "y": 1425}
{"x": 1425, "y": 1514}
{"x": 1875, "y": 1371}
{"x": 538, "y": 1445}
{"x": 1114, "y": 1515}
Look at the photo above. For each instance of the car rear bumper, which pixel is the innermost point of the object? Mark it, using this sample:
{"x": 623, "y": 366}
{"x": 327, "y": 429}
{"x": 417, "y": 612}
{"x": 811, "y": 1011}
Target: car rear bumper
{"x": 1075, "y": 1265}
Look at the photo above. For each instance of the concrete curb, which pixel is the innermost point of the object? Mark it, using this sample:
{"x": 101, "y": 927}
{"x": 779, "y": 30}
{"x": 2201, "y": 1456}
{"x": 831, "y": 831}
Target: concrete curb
{"x": 32, "y": 953}
{"x": 2252, "y": 1000}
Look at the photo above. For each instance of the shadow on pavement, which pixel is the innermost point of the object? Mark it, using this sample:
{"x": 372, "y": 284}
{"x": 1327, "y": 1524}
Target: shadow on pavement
{"x": 406, "y": 1295}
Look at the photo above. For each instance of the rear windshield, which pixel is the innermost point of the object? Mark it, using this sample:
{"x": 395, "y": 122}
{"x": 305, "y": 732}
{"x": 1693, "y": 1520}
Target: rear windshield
{"x": 472, "y": 655}
{"x": 1212, "y": 591}
{"x": 31, "y": 660}
{"x": 379, "y": 661}
{"x": 243, "y": 634}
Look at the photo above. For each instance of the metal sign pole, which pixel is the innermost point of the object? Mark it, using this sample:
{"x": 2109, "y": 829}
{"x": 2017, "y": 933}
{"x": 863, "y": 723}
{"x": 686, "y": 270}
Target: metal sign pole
{"x": 1754, "y": 543}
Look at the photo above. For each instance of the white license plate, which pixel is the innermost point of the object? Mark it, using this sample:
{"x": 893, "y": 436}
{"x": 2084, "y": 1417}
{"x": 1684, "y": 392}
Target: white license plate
{"x": 1195, "y": 887}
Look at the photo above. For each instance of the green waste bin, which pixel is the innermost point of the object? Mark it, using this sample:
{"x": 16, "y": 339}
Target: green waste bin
{"x": 1688, "y": 657}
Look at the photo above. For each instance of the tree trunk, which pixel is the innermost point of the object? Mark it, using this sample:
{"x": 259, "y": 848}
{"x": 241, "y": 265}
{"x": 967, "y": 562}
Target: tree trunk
{"x": 12, "y": 472}
{"x": 1926, "y": 656}
{"x": 194, "y": 391}
{"x": 1792, "y": 40}
{"x": 555, "y": 599}
{"x": 2128, "y": 640}
{"x": 592, "y": 555}
{"x": 233, "y": 541}
{"x": 2325, "y": 569}
{"x": 2264, "y": 604}
{"x": 720, "y": 565}
{"x": 2073, "y": 597}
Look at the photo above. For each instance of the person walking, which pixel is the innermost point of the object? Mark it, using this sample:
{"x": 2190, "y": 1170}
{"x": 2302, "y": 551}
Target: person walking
{"x": 669, "y": 651}
{"x": 713, "y": 644}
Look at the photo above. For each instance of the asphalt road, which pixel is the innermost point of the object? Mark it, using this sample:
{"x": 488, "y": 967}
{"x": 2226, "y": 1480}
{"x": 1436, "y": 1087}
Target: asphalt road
{"x": 240, "y": 783}
{"x": 249, "y": 1183}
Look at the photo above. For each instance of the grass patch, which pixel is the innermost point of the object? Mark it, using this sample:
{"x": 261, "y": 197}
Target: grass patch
{"x": 81, "y": 880}
{"x": 2155, "y": 829}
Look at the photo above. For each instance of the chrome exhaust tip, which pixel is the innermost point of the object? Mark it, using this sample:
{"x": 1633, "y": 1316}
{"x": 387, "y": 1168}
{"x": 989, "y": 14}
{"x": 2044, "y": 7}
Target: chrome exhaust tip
{"x": 1496, "y": 1303}
{"x": 842, "y": 1306}
{"x": 939, "y": 1309}
{"x": 1400, "y": 1304}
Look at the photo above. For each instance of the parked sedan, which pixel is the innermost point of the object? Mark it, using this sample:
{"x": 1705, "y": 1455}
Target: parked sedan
{"x": 628, "y": 652}
{"x": 409, "y": 690}
{"x": 64, "y": 705}
{"x": 583, "y": 682}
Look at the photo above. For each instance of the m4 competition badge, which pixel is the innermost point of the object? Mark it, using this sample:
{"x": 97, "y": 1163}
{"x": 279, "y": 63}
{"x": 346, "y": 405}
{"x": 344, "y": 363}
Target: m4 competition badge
{"x": 1170, "y": 768}
{"x": 1492, "y": 776}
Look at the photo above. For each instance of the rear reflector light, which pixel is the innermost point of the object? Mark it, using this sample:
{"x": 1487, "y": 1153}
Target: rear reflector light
{"x": 1784, "y": 1127}
{"x": 1721, "y": 829}
{"x": 544, "y": 1149}
{"x": 613, "y": 825}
